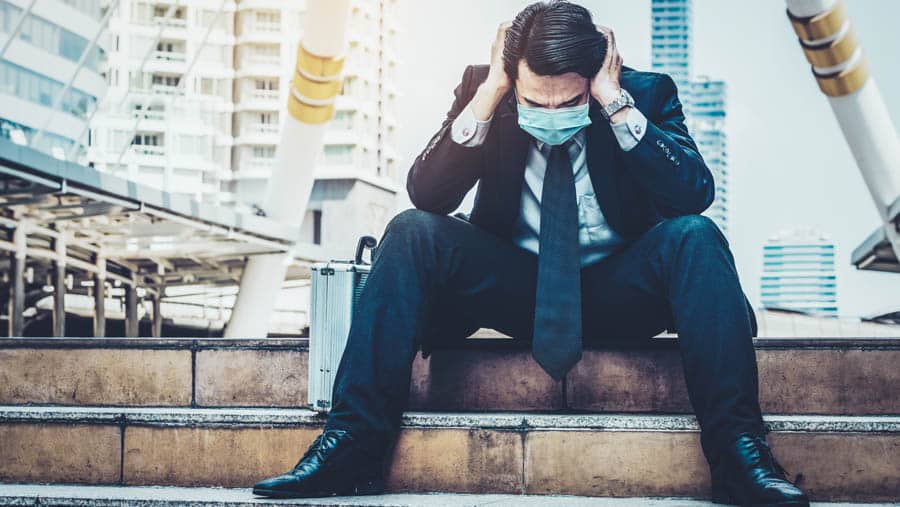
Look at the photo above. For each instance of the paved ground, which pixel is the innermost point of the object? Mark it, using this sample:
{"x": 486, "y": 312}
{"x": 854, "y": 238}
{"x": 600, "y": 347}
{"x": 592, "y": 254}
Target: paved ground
{"x": 14, "y": 494}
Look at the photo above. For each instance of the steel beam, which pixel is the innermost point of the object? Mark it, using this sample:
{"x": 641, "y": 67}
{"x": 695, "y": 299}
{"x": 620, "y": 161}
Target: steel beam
{"x": 17, "y": 260}
{"x": 156, "y": 328}
{"x": 100, "y": 298}
{"x": 132, "y": 321}
{"x": 59, "y": 288}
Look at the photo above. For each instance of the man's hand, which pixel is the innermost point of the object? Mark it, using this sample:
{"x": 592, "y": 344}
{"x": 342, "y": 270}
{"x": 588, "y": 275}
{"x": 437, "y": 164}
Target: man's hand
{"x": 605, "y": 85}
{"x": 497, "y": 83}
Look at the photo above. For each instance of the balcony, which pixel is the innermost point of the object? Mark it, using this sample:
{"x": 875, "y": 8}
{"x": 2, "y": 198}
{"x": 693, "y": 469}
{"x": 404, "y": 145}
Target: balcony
{"x": 167, "y": 62}
{"x": 254, "y": 168}
{"x": 255, "y": 30}
{"x": 259, "y": 65}
{"x": 169, "y": 22}
{"x": 163, "y": 89}
{"x": 252, "y": 99}
{"x": 169, "y": 56}
{"x": 149, "y": 115}
{"x": 258, "y": 133}
{"x": 149, "y": 154}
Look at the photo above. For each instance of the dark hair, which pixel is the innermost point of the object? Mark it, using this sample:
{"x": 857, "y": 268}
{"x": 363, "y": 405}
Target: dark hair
{"x": 554, "y": 37}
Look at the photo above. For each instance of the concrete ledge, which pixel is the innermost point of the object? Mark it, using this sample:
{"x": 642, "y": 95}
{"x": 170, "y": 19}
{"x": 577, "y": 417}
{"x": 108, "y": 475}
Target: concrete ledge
{"x": 485, "y": 373}
{"x": 148, "y": 496}
{"x": 837, "y": 457}
{"x": 268, "y": 418}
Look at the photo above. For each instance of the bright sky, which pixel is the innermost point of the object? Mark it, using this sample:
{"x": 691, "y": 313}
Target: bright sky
{"x": 789, "y": 163}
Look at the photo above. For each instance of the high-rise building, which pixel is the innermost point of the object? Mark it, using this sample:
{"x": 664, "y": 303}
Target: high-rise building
{"x": 38, "y": 65}
{"x": 166, "y": 121}
{"x": 671, "y": 41}
{"x": 707, "y": 126}
{"x": 703, "y": 99}
{"x": 357, "y": 173}
{"x": 798, "y": 273}
{"x": 208, "y": 123}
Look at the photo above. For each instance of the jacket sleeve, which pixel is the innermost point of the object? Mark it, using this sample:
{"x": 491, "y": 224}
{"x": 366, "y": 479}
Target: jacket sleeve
{"x": 666, "y": 161}
{"x": 445, "y": 171}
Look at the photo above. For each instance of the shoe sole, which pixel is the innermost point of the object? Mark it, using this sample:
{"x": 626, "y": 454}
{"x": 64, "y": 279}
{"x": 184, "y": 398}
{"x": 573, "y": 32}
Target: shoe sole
{"x": 370, "y": 489}
{"x": 729, "y": 501}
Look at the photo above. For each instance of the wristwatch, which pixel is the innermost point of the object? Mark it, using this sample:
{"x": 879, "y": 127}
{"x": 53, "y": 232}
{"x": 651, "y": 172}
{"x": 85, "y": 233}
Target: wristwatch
{"x": 623, "y": 100}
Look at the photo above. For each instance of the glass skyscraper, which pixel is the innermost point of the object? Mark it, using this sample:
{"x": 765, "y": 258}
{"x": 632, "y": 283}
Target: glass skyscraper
{"x": 798, "y": 273}
{"x": 703, "y": 98}
{"x": 706, "y": 121}
{"x": 36, "y": 67}
{"x": 671, "y": 45}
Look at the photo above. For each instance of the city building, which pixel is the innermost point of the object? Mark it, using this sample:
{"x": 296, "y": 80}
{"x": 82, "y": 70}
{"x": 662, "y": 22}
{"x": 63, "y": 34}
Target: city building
{"x": 357, "y": 173}
{"x": 703, "y": 98}
{"x": 39, "y": 64}
{"x": 706, "y": 123}
{"x": 197, "y": 94}
{"x": 166, "y": 122}
{"x": 671, "y": 41}
{"x": 798, "y": 273}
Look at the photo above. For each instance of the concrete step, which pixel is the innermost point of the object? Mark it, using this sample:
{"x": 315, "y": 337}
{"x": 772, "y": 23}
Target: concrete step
{"x": 143, "y": 496}
{"x": 836, "y": 458}
{"x": 809, "y": 376}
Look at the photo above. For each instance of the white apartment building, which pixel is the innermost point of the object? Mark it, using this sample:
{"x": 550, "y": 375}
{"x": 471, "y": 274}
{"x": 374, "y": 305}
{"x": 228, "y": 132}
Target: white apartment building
{"x": 210, "y": 127}
{"x": 160, "y": 124}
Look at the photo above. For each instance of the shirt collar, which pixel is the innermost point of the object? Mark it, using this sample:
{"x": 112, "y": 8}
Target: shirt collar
{"x": 579, "y": 139}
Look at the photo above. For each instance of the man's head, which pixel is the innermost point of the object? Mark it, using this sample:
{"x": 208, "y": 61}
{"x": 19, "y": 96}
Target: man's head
{"x": 551, "y": 53}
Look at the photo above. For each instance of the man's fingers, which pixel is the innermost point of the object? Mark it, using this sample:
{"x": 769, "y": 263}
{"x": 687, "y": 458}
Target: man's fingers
{"x": 612, "y": 54}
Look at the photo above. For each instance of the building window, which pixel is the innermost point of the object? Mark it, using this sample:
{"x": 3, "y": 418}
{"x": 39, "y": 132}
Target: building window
{"x": 37, "y": 88}
{"x": 317, "y": 227}
{"x": 207, "y": 86}
{"x": 263, "y": 152}
{"x": 266, "y": 84}
{"x": 338, "y": 155}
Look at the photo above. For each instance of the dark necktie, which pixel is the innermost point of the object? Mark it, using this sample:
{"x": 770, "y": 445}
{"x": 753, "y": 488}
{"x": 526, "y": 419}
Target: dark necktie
{"x": 556, "y": 344}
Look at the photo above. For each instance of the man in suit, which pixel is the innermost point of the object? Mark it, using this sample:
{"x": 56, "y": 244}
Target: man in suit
{"x": 586, "y": 225}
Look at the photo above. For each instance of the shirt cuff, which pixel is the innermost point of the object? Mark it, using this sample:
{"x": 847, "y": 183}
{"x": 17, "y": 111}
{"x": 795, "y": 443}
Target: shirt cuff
{"x": 469, "y": 131}
{"x": 630, "y": 132}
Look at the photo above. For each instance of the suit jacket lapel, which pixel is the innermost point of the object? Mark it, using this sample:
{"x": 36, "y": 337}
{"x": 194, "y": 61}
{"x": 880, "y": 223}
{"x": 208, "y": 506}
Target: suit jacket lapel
{"x": 511, "y": 159}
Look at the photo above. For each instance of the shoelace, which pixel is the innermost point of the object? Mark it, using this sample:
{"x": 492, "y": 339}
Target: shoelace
{"x": 766, "y": 455}
{"x": 316, "y": 449}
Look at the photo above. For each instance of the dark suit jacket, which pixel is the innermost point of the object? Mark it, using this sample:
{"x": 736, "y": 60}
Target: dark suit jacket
{"x": 663, "y": 176}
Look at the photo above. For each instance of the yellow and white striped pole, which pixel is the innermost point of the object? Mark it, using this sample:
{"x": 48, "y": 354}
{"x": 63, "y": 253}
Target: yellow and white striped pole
{"x": 314, "y": 87}
{"x": 830, "y": 44}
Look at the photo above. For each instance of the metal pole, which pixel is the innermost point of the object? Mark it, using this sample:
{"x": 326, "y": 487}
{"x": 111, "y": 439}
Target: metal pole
{"x": 131, "y": 312}
{"x": 316, "y": 83}
{"x": 100, "y": 298}
{"x": 84, "y": 56}
{"x": 17, "y": 282}
{"x": 16, "y": 29}
{"x": 59, "y": 287}
{"x": 156, "y": 329}
{"x": 842, "y": 72}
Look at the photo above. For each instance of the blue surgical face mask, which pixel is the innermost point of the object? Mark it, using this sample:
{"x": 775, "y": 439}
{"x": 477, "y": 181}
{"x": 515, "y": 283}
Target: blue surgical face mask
{"x": 553, "y": 126}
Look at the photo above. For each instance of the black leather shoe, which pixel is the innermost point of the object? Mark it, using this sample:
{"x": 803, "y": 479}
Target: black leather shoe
{"x": 335, "y": 464}
{"x": 746, "y": 473}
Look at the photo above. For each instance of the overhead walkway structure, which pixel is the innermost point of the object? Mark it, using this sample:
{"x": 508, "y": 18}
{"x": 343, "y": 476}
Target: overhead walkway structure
{"x": 66, "y": 228}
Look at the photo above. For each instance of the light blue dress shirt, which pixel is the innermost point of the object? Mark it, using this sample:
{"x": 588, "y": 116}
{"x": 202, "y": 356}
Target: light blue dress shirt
{"x": 597, "y": 240}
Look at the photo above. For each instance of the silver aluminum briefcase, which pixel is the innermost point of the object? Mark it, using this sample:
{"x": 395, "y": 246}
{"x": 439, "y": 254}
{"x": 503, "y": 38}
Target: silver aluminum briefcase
{"x": 334, "y": 293}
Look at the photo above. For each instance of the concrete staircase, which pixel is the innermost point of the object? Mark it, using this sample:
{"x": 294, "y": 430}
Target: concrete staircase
{"x": 484, "y": 419}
